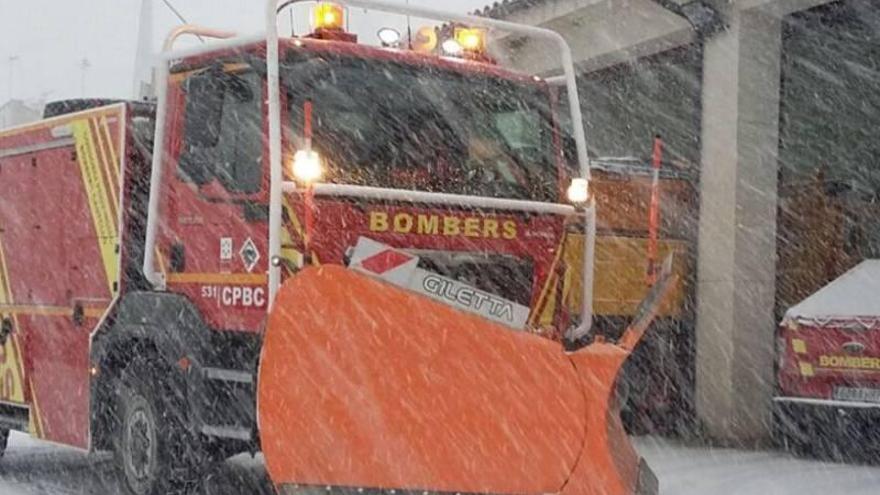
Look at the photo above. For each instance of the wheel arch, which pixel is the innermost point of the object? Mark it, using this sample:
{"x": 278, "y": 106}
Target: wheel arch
{"x": 164, "y": 327}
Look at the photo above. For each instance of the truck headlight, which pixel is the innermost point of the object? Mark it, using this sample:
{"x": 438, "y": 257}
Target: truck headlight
{"x": 327, "y": 15}
{"x": 452, "y": 48}
{"x": 579, "y": 191}
{"x": 307, "y": 166}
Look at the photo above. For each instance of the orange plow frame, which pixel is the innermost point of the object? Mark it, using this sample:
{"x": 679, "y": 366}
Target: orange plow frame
{"x": 366, "y": 385}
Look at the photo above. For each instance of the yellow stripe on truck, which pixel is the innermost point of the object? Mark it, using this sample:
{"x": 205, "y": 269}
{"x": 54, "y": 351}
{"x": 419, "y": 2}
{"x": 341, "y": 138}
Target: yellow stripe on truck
{"x": 11, "y": 366}
{"x": 102, "y": 155}
{"x": 11, "y": 363}
{"x": 545, "y": 309}
{"x": 806, "y": 369}
{"x": 111, "y": 146}
{"x": 35, "y": 419}
{"x": 99, "y": 200}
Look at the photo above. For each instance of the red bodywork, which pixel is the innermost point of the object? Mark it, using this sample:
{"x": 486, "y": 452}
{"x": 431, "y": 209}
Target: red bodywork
{"x": 817, "y": 358}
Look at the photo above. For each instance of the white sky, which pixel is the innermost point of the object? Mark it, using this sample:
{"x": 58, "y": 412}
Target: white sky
{"x": 52, "y": 37}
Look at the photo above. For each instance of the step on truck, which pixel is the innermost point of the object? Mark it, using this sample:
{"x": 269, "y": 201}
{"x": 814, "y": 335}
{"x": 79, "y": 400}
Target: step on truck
{"x": 349, "y": 257}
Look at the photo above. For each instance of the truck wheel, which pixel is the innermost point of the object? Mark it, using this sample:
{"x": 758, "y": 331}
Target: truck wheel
{"x": 143, "y": 439}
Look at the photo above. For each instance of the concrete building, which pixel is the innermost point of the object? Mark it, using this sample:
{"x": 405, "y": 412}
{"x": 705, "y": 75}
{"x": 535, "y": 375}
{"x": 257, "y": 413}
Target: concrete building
{"x": 17, "y": 112}
{"x": 760, "y": 96}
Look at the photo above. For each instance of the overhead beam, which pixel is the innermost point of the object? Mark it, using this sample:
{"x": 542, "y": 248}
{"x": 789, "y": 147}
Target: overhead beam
{"x": 601, "y": 32}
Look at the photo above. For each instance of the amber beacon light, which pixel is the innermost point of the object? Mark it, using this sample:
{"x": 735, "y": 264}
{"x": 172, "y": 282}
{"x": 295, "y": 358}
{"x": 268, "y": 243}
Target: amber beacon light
{"x": 328, "y": 16}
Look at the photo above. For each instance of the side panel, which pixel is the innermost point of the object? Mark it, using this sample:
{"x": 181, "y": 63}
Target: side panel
{"x": 60, "y": 241}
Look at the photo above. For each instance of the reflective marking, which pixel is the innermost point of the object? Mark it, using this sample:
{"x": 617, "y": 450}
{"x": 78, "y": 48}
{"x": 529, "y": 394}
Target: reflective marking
{"x": 101, "y": 146}
{"x": 807, "y": 369}
{"x": 35, "y": 419}
{"x": 538, "y": 316}
{"x": 12, "y": 363}
{"x": 99, "y": 201}
{"x": 114, "y": 160}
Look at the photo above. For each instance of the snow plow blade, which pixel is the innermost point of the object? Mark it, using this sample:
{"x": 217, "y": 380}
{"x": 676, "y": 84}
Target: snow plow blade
{"x": 363, "y": 385}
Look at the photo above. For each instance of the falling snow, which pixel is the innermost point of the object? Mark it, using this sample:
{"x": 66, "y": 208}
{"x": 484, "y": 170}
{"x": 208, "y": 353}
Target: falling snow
{"x": 481, "y": 275}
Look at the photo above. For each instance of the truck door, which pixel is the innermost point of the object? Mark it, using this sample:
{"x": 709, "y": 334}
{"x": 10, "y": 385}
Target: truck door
{"x": 218, "y": 249}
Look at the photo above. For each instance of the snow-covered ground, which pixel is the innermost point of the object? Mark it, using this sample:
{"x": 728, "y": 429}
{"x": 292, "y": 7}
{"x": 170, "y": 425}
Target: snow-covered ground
{"x": 31, "y": 467}
{"x": 702, "y": 471}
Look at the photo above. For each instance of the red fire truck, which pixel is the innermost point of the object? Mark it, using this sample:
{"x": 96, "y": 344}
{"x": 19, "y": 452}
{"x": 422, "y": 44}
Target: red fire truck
{"x": 137, "y": 267}
{"x": 829, "y": 367}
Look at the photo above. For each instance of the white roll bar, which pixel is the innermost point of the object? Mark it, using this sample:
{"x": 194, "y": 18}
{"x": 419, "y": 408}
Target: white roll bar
{"x": 157, "y": 279}
{"x": 273, "y": 7}
{"x": 274, "y": 100}
{"x": 445, "y": 199}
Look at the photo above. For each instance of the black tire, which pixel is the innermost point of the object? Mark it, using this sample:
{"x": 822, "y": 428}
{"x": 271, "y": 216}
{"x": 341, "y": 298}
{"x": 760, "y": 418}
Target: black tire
{"x": 143, "y": 440}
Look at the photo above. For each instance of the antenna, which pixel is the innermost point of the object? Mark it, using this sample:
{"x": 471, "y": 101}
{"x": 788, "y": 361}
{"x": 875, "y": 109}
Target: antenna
{"x": 179, "y": 16}
{"x": 12, "y": 60}
{"x": 144, "y": 81}
{"x": 409, "y": 29}
{"x": 84, "y": 66}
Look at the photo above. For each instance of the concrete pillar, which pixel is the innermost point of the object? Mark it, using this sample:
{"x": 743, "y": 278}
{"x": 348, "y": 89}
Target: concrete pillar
{"x": 737, "y": 246}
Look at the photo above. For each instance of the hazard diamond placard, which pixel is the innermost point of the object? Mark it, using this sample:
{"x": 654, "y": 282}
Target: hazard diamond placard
{"x": 378, "y": 260}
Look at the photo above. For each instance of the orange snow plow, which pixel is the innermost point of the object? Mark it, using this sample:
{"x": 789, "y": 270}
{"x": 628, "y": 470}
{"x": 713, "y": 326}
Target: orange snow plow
{"x": 364, "y": 385}
{"x": 418, "y": 382}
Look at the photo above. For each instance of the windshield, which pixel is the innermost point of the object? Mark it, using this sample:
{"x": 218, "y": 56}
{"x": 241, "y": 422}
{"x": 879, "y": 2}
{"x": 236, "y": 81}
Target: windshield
{"x": 422, "y": 128}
